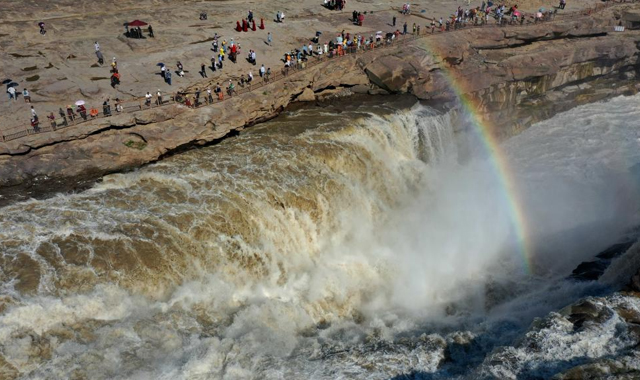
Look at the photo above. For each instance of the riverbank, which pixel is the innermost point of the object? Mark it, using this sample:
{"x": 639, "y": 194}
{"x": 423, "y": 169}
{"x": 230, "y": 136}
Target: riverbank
{"x": 513, "y": 76}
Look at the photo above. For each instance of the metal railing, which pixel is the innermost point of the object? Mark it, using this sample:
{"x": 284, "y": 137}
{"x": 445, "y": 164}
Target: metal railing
{"x": 140, "y": 104}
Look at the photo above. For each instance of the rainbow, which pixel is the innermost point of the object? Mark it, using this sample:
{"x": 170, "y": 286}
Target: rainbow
{"x": 494, "y": 151}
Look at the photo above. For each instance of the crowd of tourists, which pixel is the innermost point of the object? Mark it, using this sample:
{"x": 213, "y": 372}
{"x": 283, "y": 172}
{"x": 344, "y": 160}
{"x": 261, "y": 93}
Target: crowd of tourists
{"x": 295, "y": 58}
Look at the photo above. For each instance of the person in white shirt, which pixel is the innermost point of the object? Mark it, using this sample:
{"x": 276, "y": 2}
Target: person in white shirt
{"x": 33, "y": 113}
{"x": 97, "y": 46}
{"x": 250, "y": 78}
{"x": 12, "y": 93}
{"x": 262, "y": 71}
{"x": 209, "y": 96}
{"x": 148, "y": 99}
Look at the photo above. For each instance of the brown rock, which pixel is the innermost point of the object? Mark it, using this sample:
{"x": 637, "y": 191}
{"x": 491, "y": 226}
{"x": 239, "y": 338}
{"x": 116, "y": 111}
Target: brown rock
{"x": 307, "y": 95}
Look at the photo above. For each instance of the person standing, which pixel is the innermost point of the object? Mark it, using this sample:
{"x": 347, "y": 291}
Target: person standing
{"x": 97, "y": 46}
{"x": 26, "y": 96}
{"x": 148, "y": 97}
{"x": 158, "y": 97}
{"x": 33, "y": 113}
{"x": 262, "y": 71}
{"x": 394, "y": 20}
{"x": 220, "y": 59}
{"x": 106, "y": 108}
{"x": 404, "y": 28}
{"x": 163, "y": 71}
{"x": 12, "y": 93}
{"x": 269, "y": 38}
{"x": 209, "y": 96}
{"x": 52, "y": 120}
{"x": 203, "y": 70}
{"x": 168, "y": 74}
{"x": 150, "y": 30}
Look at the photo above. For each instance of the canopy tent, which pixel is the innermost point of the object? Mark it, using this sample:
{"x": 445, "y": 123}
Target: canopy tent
{"x": 136, "y": 23}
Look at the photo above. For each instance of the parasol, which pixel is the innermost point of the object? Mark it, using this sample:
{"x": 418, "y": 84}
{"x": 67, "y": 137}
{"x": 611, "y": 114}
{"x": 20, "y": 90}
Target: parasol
{"x": 135, "y": 23}
{"x": 80, "y": 103}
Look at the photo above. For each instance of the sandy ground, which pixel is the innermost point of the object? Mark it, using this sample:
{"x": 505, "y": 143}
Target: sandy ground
{"x": 61, "y": 66}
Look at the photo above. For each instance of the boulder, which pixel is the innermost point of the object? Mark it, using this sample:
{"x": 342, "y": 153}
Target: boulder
{"x": 307, "y": 95}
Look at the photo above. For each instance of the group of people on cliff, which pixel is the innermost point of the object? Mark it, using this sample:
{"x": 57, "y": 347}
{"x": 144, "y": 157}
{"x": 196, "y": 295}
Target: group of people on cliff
{"x": 296, "y": 58}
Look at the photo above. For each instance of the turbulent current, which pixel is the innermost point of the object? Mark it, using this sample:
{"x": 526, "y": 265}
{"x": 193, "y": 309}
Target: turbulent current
{"x": 346, "y": 242}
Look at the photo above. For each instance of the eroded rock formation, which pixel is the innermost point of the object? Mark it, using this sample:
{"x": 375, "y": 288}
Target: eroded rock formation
{"x": 514, "y": 75}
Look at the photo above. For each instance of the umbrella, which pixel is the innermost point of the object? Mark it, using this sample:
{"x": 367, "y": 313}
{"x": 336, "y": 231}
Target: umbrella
{"x": 12, "y": 84}
{"x": 160, "y": 64}
{"x": 137, "y": 23}
{"x": 541, "y": 10}
{"x": 6, "y": 81}
{"x": 80, "y": 103}
{"x": 517, "y": 14}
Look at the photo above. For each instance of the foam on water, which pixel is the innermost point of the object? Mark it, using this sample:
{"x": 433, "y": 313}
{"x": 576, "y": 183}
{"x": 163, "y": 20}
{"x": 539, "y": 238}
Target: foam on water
{"x": 351, "y": 250}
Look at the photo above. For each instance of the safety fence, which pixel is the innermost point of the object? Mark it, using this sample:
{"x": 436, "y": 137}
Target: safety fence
{"x": 196, "y": 99}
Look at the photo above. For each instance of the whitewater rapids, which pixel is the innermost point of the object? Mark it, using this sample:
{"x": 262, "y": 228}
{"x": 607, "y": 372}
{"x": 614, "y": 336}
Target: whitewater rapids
{"x": 323, "y": 245}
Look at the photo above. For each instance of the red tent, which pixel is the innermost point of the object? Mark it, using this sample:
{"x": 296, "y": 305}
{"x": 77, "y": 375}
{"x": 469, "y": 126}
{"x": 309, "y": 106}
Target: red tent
{"x": 136, "y": 23}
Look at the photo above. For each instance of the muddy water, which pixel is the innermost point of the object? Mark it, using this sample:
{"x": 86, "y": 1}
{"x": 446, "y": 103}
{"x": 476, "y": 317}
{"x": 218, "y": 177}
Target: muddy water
{"x": 344, "y": 242}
